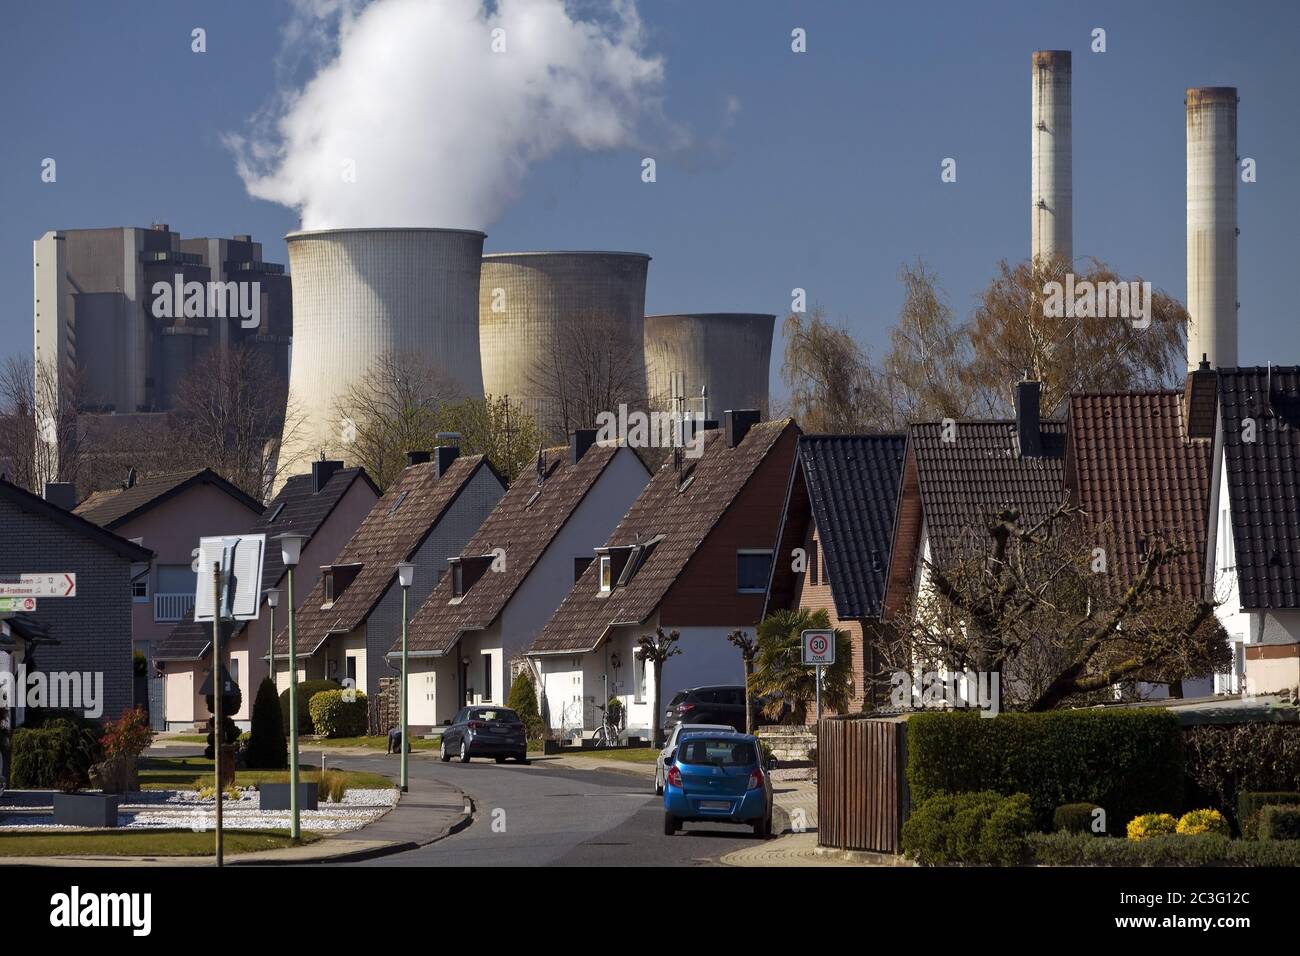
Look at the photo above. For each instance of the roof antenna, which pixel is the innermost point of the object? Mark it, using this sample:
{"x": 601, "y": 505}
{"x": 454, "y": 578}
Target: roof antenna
{"x": 541, "y": 466}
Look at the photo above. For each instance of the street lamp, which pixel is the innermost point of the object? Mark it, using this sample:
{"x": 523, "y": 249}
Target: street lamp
{"x": 405, "y": 577}
{"x": 290, "y": 551}
{"x": 272, "y": 602}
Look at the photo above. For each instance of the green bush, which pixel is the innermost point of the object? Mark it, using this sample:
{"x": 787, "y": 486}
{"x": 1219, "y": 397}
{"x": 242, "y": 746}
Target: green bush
{"x": 333, "y": 784}
{"x": 334, "y": 716}
{"x": 1196, "y": 822}
{"x": 57, "y": 754}
{"x": 523, "y": 701}
{"x": 267, "y": 748}
{"x": 306, "y": 690}
{"x": 1279, "y": 822}
{"x": 1250, "y": 803}
{"x": 1207, "y": 849}
{"x": 1126, "y": 761}
{"x": 973, "y": 828}
{"x": 1224, "y": 760}
{"x": 1147, "y": 826}
{"x": 1074, "y": 818}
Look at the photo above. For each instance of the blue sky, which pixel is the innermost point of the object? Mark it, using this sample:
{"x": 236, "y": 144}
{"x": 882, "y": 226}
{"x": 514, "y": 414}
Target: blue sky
{"x": 826, "y": 178}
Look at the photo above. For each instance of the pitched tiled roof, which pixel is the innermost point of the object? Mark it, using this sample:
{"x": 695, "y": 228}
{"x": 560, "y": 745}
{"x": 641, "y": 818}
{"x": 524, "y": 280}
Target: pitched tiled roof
{"x": 1264, "y": 481}
{"x": 683, "y": 519}
{"x": 296, "y": 508}
{"x": 116, "y": 506}
{"x": 1130, "y": 466}
{"x": 852, "y": 483}
{"x": 980, "y": 473}
{"x": 523, "y": 524}
{"x": 392, "y": 532}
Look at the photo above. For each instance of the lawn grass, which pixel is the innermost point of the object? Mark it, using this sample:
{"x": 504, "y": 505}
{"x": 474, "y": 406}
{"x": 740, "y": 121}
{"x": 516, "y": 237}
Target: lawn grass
{"x": 188, "y": 739}
{"x": 371, "y": 743}
{"x": 191, "y": 773}
{"x": 144, "y": 842}
{"x": 625, "y": 754}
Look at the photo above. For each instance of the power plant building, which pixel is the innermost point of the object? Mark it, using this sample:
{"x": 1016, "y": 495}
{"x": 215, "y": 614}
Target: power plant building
{"x": 532, "y": 305}
{"x": 362, "y": 294}
{"x": 729, "y": 353}
{"x": 1051, "y": 164}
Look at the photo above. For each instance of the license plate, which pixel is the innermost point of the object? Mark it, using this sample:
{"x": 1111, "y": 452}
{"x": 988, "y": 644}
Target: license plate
{"x": 715, "y": 805}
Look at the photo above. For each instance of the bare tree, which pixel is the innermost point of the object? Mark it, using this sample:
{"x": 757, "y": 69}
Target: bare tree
{"x": 496, "y": 427}
{"x": 590, "y": 365}
{"x": 1037, "y": 602}
{"x": 42, "y": 437}
{"x": 231, "y": 411}
{"x": 748, "y": 648}
{"x": 655, "y": 649}
{"x": 833, "y": 386}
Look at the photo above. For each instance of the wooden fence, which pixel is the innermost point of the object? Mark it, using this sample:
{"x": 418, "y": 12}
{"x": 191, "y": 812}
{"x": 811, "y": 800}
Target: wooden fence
{"x": 384, "y": 712}
{"x": 862, "y": 796}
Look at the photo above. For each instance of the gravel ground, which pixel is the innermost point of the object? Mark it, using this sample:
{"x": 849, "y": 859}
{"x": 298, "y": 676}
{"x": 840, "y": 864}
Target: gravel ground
{"x": 172, "y": 809}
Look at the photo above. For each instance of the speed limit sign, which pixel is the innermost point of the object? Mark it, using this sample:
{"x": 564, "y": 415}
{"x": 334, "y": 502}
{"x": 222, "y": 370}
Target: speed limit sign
{"x": 819, "y": 647}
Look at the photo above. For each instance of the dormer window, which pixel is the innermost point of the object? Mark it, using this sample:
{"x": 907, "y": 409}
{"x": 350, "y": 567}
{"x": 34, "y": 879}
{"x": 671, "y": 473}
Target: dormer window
{"x": 336, "y": 578}
{"x": 606, "y": 581}
{"x": 457, "y": 580}
{"x": 466, "y": 571}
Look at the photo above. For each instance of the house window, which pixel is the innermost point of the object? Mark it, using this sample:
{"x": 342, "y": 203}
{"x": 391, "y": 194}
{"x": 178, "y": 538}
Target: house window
{"x": 328, "y": 580}
{"x": 351, "y": 667}
{"x": 487, "y": 676}
{"x": 234, "y": 670}
{"x": 752, "y": 571}
{"x": 457, "y": 581}
{"x": 604, "y": 572}
{"x": 1227, "y": 553}
{"x": 638, "y": 677}
{"x": 140, "y": 583}
{"x": 812, "y": 563}
{"x": 580, "y": 566}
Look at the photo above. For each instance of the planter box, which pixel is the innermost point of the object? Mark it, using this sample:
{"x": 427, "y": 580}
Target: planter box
{"x": 275, "y": 796}
{"x": 97, "y": 810}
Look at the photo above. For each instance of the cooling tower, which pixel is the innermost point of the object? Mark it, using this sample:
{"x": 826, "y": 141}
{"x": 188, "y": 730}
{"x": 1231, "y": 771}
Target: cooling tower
{"x": 359, "y": 294}
{"x": 727, "y": 351}
{"x": 1051, "y": 168}
{"x": 538, "y": 312}
{"x": 1212, "y": 225}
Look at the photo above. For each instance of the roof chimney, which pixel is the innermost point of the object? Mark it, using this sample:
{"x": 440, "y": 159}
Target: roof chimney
{"x": 1028, "y": 423}
{"x": 738, "y": 422}
{"x": 61, "y": 494}
{"x": 321, "y": 472}
{"x": 1051, "y": 172}
{"x": 579, "y": 442}
{"x": 1212, "y": 225}
{"x": 1200, "y": 401}
{"x": 446, "y": 453}
{"x": 416, "y": 458}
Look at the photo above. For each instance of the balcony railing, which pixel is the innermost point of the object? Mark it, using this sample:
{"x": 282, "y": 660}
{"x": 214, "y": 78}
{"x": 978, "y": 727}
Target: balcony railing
{"x": 172, "y": 607}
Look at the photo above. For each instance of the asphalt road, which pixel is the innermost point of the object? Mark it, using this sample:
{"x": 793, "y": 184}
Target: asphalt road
{"x": 542, "y": 815}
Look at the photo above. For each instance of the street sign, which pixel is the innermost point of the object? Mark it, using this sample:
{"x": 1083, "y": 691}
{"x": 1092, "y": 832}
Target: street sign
{"x": 17, "y": 605}
{"x": 51, "y": 584}
{"x": 240, "y": 558}
{"x": 228, "y": 685}
{"x": 819, "y": 647}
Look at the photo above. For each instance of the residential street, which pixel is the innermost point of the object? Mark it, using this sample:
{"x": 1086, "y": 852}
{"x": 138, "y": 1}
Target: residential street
{"x": 545, "y": 815}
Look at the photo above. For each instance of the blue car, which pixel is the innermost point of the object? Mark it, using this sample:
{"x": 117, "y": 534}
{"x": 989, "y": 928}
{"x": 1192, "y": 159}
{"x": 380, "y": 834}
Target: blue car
{"x": 718, "y": 777}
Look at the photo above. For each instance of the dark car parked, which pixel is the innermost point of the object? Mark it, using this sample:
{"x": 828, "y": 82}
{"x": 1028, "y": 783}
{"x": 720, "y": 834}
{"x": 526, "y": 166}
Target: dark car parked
{"x": 485, "y": 731}
{"x": 720, "y": 704}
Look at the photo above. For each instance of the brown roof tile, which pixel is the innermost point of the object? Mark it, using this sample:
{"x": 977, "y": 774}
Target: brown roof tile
{"x": 114, "y": 507}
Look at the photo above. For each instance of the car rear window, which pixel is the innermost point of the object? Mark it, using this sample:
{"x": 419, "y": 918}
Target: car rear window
{"x": 496, "y": 716}
{"x": 677, "y": 698}
{"x": 718, "y": 751}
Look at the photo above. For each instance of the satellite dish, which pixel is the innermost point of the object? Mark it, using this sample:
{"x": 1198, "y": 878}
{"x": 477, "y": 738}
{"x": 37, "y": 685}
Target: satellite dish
{"x": 240, "y": 558}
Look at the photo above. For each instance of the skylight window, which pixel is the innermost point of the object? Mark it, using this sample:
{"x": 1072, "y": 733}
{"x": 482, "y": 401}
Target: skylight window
{"x": 398, "y": 503}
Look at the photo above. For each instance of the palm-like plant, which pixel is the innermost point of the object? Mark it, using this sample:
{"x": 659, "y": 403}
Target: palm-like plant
{"x": 780, "y": 674}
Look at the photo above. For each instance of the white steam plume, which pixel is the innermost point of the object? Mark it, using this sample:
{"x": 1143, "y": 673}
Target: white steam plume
{"x": 439, "y": 129}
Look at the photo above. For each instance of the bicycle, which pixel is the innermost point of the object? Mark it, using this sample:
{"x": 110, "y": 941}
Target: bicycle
{"x": 607, "y": 734}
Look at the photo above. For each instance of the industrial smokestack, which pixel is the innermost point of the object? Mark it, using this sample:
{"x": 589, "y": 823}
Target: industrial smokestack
{"x": 1212, "y": 225}
{"x": 1052, "y": 217}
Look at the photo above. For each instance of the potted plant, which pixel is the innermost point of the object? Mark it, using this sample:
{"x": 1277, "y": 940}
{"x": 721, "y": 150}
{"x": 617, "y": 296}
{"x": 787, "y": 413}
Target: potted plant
{"x": 72, "y": 808}
{"x": 123, "y": 742}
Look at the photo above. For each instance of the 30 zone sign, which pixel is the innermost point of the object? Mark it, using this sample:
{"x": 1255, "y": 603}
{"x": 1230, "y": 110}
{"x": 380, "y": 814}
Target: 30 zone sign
{"x": 819, "y": 647}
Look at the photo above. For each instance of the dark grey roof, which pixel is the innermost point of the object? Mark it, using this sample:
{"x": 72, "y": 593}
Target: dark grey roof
{"x": 37, "y": 505}
{"x": 296, "y": 508}
{"x": 1264, "y": 481}
{"x": 852, "y": 483}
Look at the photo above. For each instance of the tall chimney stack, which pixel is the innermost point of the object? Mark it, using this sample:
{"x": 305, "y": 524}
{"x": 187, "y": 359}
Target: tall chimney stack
{"x": 1212, "y": 225}
{"x": 1052, "y": 176}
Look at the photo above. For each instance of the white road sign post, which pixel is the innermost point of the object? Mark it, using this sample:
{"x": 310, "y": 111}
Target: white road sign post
{"x": 819, "y": 651}
{"x": 49, "y": 584}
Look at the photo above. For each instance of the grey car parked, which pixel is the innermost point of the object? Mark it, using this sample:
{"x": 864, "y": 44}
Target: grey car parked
{"x": 485, "y": 731}
{"x": 661, "y": 762}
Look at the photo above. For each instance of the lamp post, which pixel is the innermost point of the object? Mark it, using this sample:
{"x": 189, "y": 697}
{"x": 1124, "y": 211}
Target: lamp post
{"x": 272, "y": 602}
{"x": 290, "y": 551}
{"x": 405, "y": 577}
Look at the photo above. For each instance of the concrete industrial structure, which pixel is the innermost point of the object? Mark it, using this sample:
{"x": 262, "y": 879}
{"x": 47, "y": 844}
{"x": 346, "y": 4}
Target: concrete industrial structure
{"x": 525, "y": 300}
{"x": 727, "y": 352}
{"x": 93, "y": 310}
{"x": 360, "y": 294}
{"x": 1051, "y": 166}
{"x": 1212, "y": 225}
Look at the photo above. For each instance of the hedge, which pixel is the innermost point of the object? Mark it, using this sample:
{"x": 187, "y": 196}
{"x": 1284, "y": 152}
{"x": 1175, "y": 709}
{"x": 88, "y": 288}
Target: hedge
{"x": 1277, "y": 822}
{"x": 1074, "y": 818}
{"x": 1207, "y": 849}
{"x": 970, "y": 828}
{"x": 332, "y": 716}
{"x": 306, "y": 690}
{"x": 267, "y": 748}
{"x": 1128, "y": 762}
{"x": 1250, "y": 803}
{"x": 56, "y": 755}
{"x": 1223, "y": 760}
